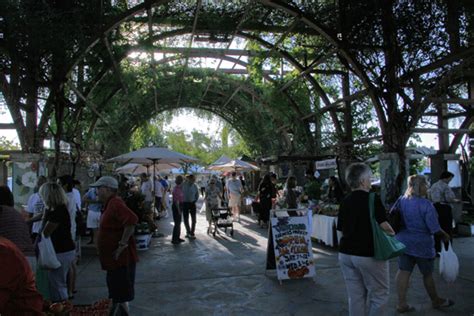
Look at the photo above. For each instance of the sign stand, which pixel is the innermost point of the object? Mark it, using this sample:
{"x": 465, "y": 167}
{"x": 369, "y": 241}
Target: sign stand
{"x": 289, "y": 248}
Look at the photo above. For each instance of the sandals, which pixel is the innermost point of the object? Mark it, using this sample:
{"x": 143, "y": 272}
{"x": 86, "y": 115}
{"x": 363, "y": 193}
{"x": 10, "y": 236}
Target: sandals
{"x": 405, "y": 309}
{"x": 446, "y": 303}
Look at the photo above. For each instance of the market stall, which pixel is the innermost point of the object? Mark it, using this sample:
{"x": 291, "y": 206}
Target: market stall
{"x": 326, "y": 210}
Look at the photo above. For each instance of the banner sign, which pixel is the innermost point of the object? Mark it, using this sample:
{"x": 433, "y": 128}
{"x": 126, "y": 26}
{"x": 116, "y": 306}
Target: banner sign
{"x": 326, "y": 164}
{"x": 292, "y": 247}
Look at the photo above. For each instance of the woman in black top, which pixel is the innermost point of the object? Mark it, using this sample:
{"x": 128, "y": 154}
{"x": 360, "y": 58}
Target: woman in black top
{"x": 265, "y": 191}
{"x": 335, "y": 193}
{"x": 362, "y": 273}
{"x": 57, "y": 226}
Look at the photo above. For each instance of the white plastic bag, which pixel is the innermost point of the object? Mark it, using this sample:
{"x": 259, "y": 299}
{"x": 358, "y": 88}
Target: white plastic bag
{"x": 203, "y": 208}
{"x": 46, "y": 255}
{"x": 448, "y": 264}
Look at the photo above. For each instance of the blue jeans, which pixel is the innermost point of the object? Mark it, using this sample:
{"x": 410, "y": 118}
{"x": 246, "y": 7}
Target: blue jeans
{"x": 57, "y": 277}
{"x": 189, "y": 208}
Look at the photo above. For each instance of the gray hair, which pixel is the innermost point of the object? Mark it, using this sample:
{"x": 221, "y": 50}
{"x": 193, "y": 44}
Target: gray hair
{"x": 52, "y": 195}
{"x": 356, "y": 173}
{"x": 414, "y": 184}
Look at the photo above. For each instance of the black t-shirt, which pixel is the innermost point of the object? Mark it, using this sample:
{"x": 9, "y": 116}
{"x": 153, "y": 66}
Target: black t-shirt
{"x": 61, "y": 236}
{"x": 354, "y": 222}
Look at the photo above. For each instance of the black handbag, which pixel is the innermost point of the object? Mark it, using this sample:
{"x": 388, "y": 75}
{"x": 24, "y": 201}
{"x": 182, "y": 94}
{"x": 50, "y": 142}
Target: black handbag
{"x": 395, "y": 217}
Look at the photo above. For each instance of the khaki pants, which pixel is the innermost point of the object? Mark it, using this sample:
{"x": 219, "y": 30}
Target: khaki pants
{"x": 367, "y": 281}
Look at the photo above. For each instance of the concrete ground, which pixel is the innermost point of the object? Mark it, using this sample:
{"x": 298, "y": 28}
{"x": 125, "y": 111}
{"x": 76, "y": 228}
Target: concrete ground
{"x": 226, "y": 276}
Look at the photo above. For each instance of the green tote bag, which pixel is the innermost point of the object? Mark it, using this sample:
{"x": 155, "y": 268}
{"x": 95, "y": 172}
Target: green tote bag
{"x": 385, "y": 246}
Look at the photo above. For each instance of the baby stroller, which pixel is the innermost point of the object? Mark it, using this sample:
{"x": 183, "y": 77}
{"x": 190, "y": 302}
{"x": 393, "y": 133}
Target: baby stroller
{"x": 221, "y": 218}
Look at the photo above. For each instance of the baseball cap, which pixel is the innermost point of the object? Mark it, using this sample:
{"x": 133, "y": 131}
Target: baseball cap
{"x": 106, "y": 181}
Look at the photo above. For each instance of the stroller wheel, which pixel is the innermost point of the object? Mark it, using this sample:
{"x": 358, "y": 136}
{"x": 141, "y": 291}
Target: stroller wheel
{"x": 232, "y": 233}
{"x": 214, "y": 232}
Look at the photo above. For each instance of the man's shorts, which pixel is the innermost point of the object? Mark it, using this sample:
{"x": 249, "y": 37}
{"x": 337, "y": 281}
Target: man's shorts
{"x": 407, "y": 263}
{"x": 121, "y": 283}
{"x": 93, "y": 219}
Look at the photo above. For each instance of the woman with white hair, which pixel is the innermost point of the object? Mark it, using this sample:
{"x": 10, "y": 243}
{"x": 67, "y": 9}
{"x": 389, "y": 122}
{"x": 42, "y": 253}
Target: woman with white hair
{"x": 363, "y": 274}
{"x": 57, "y": 225}
{"x": 420, "y": 223}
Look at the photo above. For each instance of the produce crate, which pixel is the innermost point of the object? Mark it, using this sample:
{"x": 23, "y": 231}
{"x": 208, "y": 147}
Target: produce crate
{"x": 143, "y": 241}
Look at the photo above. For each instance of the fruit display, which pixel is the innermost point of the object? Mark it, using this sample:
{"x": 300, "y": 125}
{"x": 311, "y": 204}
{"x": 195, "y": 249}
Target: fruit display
{"x": 99, "y": 308}
{"x": 66, "y": 308}
{"x": 329, "y": 209}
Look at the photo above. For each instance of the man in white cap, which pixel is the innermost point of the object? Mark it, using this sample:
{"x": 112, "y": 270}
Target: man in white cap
{"x": 116, "y": 245}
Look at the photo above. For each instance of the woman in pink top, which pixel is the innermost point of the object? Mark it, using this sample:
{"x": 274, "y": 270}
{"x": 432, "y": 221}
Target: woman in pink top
{"x": 178, "y": 199}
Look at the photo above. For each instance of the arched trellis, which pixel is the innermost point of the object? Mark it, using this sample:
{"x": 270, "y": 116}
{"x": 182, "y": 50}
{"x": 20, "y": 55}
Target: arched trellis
{"x": 165, "y": 35}
{"x": 353, "y": 65}
{"x": 229, "y": 108}
{"x": 281, "y": 6}
{"x": 238, "y": 85}
{"x": 318, "y": 28}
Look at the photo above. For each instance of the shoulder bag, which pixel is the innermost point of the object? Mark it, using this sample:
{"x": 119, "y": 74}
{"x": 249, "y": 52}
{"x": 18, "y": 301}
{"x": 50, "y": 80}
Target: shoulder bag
{"x": 385, "y": 246}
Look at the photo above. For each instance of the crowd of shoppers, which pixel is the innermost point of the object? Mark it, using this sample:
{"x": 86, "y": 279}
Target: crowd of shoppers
{"x": 366, "y": 279}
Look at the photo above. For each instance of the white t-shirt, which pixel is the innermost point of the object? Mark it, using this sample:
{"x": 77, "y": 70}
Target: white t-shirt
{"x": 146, "y": 190}
{"x": 234, "y": 186}
{"x": 158, "y": 188}
{"x": 72, "y": 209}
{"x": 35, "y": 205}
{"x": 77, "y": 197}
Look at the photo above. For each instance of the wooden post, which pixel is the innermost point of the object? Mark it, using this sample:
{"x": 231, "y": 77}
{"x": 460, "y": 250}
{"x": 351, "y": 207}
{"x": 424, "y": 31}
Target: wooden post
{"x": 443, "y": 138}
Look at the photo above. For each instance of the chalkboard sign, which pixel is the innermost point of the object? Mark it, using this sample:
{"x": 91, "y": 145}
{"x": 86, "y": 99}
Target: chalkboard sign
{"x": 291, "y": 245}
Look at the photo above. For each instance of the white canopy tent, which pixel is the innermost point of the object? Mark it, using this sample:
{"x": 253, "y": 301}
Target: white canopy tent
{"x": 153, "y": 156}
{"x": 136, "y": 169}
{"x": 234, "y": 165}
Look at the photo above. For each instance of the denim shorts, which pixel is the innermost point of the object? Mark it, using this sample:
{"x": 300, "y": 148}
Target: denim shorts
{"x": 407, "y": 263}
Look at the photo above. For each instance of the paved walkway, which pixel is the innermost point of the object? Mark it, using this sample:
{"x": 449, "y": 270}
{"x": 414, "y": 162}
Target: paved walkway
{"x": 226, "y": 276}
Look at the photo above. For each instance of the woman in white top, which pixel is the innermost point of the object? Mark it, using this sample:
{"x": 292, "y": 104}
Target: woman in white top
{"x": 234, "y": 192}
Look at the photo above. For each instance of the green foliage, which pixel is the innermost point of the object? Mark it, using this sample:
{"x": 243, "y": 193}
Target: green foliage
{"x": 417, "y": 165}
{"x": 6, "y": 144}
{"x": 148, "y": 135}
{"x": 205, "y": 148}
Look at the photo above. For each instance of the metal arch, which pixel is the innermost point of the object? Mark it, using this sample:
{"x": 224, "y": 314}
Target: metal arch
{"x": 230, "y": 110}
{"x": 285, "y": 56}
{"x": 106, "y": 69}
{"x": 231, "y": 117}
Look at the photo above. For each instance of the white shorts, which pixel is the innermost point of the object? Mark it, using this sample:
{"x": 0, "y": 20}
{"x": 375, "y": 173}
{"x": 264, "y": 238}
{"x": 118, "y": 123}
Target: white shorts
{"x": 93, "y": 219}
{"x": 234, "y": 200}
